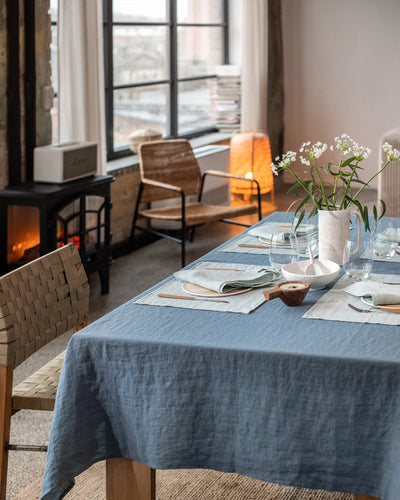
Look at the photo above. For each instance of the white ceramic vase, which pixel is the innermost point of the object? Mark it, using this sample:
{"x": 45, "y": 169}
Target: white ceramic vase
{"x": 333, "y": 232}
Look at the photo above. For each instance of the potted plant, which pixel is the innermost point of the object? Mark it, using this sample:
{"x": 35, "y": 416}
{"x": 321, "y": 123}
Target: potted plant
{"x": 333, "y": 189}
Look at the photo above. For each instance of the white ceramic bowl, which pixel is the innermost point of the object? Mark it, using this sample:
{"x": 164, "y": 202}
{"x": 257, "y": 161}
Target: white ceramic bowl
{"x": 295, "y": 271}
{"x": 143, "y": 135}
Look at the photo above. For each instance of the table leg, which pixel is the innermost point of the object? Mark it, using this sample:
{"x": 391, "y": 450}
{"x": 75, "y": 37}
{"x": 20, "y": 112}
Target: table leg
{"x": 129, "y": 480}
{"x": 364, "y": 497}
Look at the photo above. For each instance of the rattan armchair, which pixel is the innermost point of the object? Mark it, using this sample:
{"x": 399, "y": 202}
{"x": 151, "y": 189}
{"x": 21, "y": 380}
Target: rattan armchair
{"x": 169, "y": 169}
{"x": 38, "y": 302}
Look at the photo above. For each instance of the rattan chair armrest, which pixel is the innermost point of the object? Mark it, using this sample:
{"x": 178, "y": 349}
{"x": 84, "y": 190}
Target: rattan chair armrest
{"x": 162, "y": 185}
{"x": 226, "y": 174}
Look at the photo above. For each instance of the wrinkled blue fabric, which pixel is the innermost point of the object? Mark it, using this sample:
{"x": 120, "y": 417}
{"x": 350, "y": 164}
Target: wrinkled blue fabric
{"x": 299, "y": 402}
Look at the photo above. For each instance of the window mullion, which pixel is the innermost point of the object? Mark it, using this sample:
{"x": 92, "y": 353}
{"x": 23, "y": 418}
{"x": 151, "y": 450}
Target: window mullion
{"x": 109, "y": 63}
{"x": 173, "y": 68}
{"x": 225, "y": 7}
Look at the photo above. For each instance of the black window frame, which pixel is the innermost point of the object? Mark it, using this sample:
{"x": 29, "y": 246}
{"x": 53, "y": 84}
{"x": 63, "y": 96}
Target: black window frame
{"x": 172, "y": 80}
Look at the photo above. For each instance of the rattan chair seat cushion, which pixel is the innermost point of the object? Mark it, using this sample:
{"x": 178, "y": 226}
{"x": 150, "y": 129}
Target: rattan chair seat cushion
{"x": 38, "y": 391}
{"x": 198, "y": 213}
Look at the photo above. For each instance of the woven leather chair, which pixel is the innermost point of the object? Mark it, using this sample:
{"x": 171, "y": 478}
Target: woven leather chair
{"x": 38, "y": 302}
{"x": 168, "y": 169}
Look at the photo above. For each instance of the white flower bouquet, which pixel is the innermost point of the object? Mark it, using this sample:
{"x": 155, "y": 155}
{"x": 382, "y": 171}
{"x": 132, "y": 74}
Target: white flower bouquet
{"x": 344, "y": 185}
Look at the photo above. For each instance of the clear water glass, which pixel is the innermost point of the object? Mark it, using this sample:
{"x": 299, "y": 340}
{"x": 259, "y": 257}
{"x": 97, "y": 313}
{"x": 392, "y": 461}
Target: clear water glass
{"x": 385, "y": 238}
{"x": 306, "y": 234}
{"x": 282, "y": 249}
{"x": 358, "y": 265}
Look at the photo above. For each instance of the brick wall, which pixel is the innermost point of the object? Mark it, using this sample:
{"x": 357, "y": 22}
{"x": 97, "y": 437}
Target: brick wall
{"x": 43, "y": 78}
{"x": 3, "y": 99}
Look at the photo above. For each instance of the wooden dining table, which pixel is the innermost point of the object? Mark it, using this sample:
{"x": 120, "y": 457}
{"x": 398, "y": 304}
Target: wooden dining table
{"x": 269, "y": 394}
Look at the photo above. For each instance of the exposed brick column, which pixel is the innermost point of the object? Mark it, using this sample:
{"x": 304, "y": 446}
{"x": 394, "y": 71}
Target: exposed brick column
{"x": 3, "y": 98}
{"x": 25, "y": 37}
{"x": 275, "y": 118}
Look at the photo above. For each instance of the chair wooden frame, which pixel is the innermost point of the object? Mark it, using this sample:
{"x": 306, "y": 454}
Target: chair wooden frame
{"x": 38, "y": 302}
{"x": 157, "y": 160}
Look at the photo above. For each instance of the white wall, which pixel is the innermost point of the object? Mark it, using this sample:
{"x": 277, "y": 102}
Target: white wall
{"x": 342, "y": 71}
{"x": 235, "y": 43}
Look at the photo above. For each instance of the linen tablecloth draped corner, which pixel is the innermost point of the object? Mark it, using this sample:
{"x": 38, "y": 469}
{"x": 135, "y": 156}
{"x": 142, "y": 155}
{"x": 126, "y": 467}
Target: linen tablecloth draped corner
{"x": 271, "y": 395}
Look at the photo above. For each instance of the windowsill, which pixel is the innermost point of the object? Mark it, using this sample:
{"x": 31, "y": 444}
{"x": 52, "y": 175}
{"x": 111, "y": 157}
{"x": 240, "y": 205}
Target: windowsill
{"x": 133, "y": 160}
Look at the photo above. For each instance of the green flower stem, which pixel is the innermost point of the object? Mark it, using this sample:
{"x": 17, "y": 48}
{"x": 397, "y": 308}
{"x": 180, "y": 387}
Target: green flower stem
{"x": 372, "y": 178}
{"x": 302, "y": 185}
{"x": 347, "y": 187}
{"x": 336, "y": 180}
{"x": 321, "y": 184}
{"x": 297, "y": 178}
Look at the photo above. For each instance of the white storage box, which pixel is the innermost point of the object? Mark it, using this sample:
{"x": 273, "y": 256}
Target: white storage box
{"x": 60, "y": 163}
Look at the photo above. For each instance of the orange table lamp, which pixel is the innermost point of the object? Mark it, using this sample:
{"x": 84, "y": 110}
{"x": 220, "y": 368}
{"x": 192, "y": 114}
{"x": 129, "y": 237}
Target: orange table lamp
{"x": 250, "y": 156}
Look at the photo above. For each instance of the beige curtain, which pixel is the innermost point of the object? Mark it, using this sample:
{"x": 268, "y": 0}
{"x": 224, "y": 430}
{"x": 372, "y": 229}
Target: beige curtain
{"x": 81, "y": 74}
{"x": 254, "y": 64}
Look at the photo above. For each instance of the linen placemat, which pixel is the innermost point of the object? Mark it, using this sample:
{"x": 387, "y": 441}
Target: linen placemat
{"x": 258, "y": 247}
{"x": 249, "y": 242}
{"x": 255, "y": 246}
{"x": 241, "y": 303}
{"x": 267, "y": 229}
{"x": 333, "y": 305}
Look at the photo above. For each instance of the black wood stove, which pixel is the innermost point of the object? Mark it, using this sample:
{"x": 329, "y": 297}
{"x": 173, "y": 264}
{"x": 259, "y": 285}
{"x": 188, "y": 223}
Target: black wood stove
{"x": 36, "y": 218}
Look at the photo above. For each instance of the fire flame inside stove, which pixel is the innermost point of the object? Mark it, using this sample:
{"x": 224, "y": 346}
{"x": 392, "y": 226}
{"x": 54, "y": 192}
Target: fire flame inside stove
{"x": 73, "y": 239}
{"x": 23, "y": 233}
{"x": 22, "y": 248}
{"x": 28, "y": 248}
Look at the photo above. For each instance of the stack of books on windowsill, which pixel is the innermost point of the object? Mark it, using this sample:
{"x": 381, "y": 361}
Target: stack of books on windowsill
{"x": 227, "y": 98}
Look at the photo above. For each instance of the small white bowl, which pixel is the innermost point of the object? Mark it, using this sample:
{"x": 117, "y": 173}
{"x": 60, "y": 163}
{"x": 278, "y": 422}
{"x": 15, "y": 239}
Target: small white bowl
{"x": 295, "y": 271}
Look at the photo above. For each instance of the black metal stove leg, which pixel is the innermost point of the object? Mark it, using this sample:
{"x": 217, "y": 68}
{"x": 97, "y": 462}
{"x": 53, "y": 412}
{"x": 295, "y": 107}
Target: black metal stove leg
{"x": 104, "y": 280}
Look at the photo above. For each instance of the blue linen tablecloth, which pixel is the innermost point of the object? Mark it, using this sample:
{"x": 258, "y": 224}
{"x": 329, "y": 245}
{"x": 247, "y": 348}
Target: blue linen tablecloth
{"x": 271, "y": 395}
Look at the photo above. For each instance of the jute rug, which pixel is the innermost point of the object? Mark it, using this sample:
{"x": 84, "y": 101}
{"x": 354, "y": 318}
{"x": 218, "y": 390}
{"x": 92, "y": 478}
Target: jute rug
{"x": 191, "y": 484}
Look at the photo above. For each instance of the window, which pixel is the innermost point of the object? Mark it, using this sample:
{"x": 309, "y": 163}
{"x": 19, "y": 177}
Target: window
{"x": 160, "y": 58}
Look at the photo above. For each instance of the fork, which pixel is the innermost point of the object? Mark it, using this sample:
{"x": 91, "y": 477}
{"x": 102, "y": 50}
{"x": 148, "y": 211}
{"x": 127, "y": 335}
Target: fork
{"x": 362, "y": 310}
{"x": 376, "y": 308}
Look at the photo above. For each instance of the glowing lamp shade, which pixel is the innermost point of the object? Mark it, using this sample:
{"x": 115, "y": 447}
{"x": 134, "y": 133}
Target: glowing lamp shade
{"x": 250, "y": 155}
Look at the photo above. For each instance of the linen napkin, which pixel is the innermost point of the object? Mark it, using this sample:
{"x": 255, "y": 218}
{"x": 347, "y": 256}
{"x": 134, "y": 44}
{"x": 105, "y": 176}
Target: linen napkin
{"x": 266, "y": 230}
{"x": 390, "y": 234}
{"x": 380, "y": 293}
{"x": 222, "y": 281}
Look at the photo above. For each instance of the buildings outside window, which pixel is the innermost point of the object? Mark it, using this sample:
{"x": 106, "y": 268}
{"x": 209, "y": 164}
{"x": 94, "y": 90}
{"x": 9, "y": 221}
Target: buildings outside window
{"x": 160, "y": 58}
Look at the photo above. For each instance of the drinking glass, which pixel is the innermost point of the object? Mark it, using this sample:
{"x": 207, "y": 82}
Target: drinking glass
{"x": 306, "y": 234}
{"x": 282, "y": 249}
{"x": 358, "y": 262}
{"x": 385, "y": 238}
